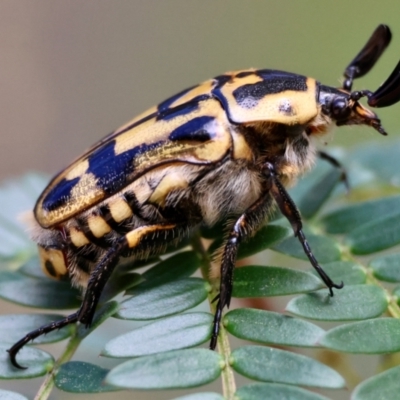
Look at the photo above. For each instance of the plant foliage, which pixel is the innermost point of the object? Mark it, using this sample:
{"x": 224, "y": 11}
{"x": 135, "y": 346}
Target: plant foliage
{"x": 348, "y": 235}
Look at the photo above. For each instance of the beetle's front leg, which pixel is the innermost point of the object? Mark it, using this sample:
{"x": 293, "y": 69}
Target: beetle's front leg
{"x": 290, "y": 211}
{"x": 335, "y": 163}
{"x": 244, "y": 226}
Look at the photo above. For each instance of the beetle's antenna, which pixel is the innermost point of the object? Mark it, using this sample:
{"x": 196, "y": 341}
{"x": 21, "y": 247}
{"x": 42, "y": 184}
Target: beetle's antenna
{"x": 368, "y": 56}
{"x": 389, "y": 92}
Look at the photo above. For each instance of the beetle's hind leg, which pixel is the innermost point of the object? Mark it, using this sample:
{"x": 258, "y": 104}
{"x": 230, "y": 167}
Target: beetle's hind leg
{"x": 290, "y": 211}
{"x": 142, "y": 240}
{"x": 70, "y": 319}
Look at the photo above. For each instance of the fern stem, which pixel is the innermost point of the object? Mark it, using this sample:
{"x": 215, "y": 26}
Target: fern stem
{"x": 227, "y": 375}
{"x": 48, "y": 384}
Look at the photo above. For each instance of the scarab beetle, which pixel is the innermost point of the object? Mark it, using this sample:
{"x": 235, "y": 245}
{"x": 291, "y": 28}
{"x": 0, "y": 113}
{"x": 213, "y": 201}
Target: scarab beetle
{"x": 222, "y": 150}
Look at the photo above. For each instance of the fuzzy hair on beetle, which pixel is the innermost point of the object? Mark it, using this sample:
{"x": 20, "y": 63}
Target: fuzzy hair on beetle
{"x": 223, "y": 150}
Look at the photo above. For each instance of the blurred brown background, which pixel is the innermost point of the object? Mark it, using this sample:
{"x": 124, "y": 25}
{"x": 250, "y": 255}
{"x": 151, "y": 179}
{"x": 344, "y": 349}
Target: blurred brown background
{"x": 72, "y": 71}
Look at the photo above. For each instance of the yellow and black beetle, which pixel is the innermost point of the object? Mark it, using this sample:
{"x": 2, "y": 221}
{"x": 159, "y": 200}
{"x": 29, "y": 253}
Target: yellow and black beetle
{"x": 225, "y": 148}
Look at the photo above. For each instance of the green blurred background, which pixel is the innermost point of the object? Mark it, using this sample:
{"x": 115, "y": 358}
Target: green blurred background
{"x": 72, "y": 71}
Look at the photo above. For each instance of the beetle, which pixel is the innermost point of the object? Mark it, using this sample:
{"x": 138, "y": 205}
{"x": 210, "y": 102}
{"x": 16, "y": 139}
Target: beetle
{"x": 225, "y": 149}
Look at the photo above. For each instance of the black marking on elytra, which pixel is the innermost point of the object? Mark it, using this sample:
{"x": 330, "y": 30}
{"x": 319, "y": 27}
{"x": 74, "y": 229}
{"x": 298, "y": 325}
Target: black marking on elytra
{"x": 167, "y": 103}
{"x": 193, "y": 130}
{"x": 59, "y": 195}
{"x": 250, "y": 94}
{"x": 182, "y": 109}
{"x": 113, "y": 171}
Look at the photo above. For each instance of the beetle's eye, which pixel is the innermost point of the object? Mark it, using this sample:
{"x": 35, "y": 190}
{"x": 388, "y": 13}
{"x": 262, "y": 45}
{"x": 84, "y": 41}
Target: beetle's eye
{"x": 340, "y": 108}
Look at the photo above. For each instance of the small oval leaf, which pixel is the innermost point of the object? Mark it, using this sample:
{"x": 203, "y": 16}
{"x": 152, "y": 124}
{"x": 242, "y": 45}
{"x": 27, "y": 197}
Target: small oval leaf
{"x": 385, "y": 385}
{"x": 7, "y": 395}
{"x": 350, "y": 303}
{"x": 348, "y": 218}
{"x": 163, "y": 300}
{"x": 271, "y": 327}
{"x": 275, "y": 391}
{"x": 347, "y": 272}
{"x": 383, "y": 160}
{"x": 376, "y": 235}
{"x": 172, "y": 333}
{"x": 273, "y": 365}
{"x": 181, "y": 265}
{"x": 262, "y": 240}
{"x": 37, "y": 362}
{"x": 258, "y": 281}
{"x": 171, "y": 370}
{"x": 381, "y": 335}
{"x": 386, "y": 268}
{"x": 325, "y": 249}
{"x": 82, "y": 377}
{"x": 319, "y": 193}
{"x": 41, "y": 293}
{"x": 102, "y": 313}
{"x": 15, "y": 326}
{"x": 201, "y": 396}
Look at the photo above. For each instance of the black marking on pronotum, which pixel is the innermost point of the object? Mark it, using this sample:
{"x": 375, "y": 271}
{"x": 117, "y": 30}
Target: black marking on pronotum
{"x": 250, "y": 94}
{"x": 286, "y": 108}
{"x": 193, "y": 130}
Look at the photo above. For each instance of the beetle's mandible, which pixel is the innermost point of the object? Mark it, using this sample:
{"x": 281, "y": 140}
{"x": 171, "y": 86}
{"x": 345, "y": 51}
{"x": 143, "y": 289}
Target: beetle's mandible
{"x": 225, "y": 148}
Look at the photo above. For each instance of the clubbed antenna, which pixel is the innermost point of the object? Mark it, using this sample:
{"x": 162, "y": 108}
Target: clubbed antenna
{"x": 368, "y": 55}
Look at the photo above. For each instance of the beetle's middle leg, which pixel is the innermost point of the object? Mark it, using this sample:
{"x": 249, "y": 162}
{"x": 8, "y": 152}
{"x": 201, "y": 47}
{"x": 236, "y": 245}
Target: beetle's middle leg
{"x": 244, "y": 226}
{"x": 290, "y": 211}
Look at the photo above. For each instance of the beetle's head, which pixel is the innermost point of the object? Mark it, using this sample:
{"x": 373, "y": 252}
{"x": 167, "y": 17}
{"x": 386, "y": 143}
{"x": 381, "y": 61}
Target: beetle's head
{"x": 342, "y": 104}
{"x": 344, "y": 108}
